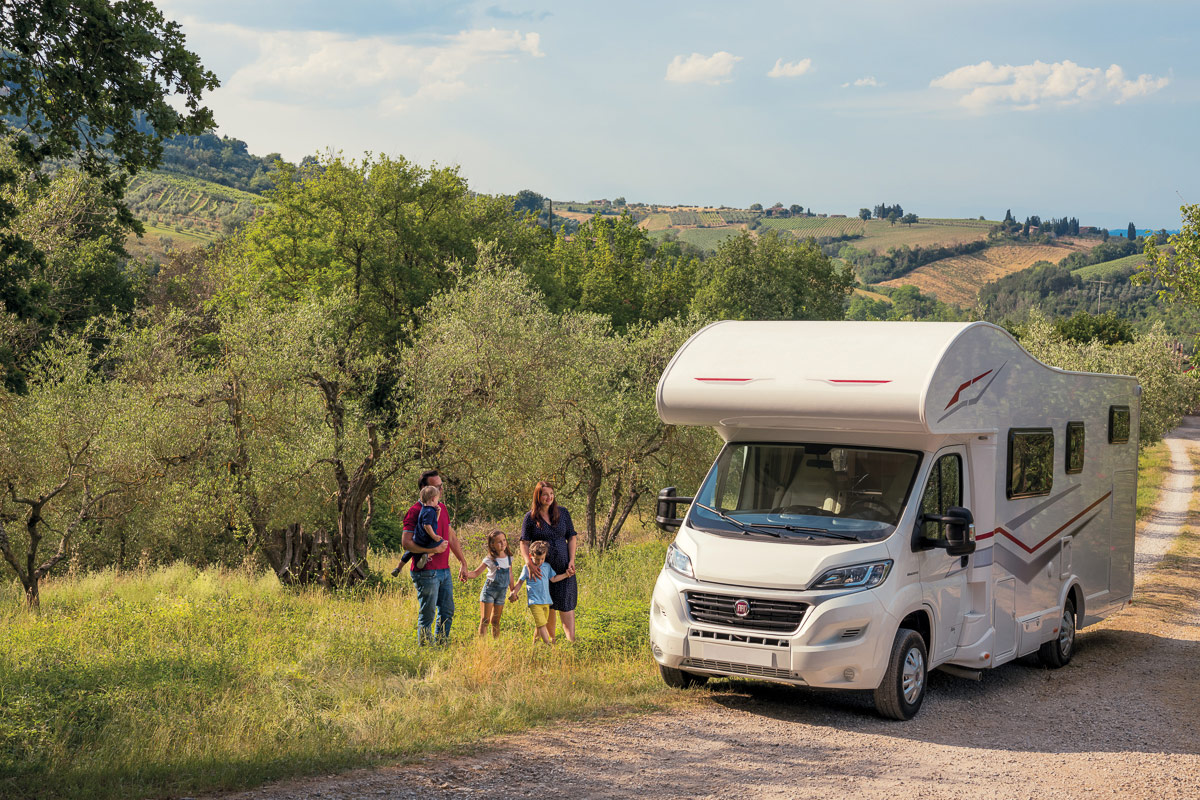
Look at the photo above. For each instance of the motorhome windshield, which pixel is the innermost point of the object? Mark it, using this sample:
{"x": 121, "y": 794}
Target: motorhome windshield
{"x": 815, "y": 493}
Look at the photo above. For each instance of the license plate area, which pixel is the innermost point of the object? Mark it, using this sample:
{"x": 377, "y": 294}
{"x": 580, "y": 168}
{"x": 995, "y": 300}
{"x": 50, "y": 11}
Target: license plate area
{"x": 756, "y": 651}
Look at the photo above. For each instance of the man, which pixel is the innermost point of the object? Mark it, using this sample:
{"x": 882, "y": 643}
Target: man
{"x": 435, "y": 587}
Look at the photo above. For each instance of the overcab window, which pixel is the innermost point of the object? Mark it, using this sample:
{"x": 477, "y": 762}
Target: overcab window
{"x": 1074, "y": 447}
{"x": 1118, "y": 424}
{"x": 1030, "y": 462}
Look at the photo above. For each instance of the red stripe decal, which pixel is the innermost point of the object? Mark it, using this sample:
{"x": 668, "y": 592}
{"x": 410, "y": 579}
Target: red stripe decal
{"x": 1037, "y": 546}
{"x": 954, "y": 399}
{"x": 725, "y": 380}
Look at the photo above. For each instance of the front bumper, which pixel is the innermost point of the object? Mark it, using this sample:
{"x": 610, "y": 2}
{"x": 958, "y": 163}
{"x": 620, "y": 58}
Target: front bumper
{"x": 843, "y": 641}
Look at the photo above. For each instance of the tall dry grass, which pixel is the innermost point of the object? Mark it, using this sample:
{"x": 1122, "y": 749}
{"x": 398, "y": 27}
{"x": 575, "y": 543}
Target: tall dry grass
{"x": 176, "y": 680}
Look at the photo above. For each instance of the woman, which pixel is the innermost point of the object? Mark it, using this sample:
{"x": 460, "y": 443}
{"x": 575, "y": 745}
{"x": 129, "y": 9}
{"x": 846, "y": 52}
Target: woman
{"x": 549, "y": 522}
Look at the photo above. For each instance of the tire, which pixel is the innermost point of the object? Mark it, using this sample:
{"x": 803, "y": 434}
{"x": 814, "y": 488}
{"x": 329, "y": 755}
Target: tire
{"x": 902, "y": 691}
{"x": 1057, "y": 652}
{"x": 678, "y": 679}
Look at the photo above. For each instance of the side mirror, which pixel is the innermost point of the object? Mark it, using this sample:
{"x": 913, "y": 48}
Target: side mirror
{"x": 960, "y": 535}
{"x": 664, "y": 514}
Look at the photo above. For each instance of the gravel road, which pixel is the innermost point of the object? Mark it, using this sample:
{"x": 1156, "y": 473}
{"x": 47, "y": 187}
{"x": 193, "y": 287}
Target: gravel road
{"x": 1120, "y": 721}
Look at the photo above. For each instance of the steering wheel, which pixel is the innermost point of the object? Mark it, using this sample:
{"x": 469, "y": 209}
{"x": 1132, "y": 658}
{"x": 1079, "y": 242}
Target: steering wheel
{"x": 870, "y": 508}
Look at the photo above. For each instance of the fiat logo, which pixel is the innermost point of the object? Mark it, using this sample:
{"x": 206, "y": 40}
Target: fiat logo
{"x": 741, "y": 608}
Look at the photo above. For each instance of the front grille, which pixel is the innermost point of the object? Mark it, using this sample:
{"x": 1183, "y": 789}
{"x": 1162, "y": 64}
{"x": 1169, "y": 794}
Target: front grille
{"x": 738, "y": 669}
{"x": 782, "y": 616}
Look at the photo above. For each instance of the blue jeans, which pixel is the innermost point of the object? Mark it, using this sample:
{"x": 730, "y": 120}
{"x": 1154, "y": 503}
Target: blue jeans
{"x": 435, "y": 591}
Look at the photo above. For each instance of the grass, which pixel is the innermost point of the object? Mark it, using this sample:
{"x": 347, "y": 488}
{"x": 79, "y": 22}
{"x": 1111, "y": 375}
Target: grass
{"x": 180, "y": 680}
{"x": 1153, "y": 463}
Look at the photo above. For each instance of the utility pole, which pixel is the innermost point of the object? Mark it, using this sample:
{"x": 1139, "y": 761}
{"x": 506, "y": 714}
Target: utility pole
{"x": 1099, "y": 288}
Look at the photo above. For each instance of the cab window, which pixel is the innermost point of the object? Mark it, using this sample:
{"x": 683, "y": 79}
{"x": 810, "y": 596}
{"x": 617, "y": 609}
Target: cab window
{"x": 943, "y": 490}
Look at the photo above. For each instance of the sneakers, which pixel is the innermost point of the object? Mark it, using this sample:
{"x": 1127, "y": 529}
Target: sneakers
{"x": 423, "y": 560}
{"x": 396, "y": 571}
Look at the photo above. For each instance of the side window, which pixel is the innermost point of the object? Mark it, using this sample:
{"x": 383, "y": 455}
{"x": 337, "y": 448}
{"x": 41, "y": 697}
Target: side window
{"x": 1118, "y": 424}
{"x": 731, "y": 486}
{"x": 943, "y": 490}
{"x": 1030, "y": 462}
{"x": 1075, "y": 439}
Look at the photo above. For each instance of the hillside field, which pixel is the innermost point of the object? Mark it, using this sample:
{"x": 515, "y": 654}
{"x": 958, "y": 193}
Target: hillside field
{"x": 1109, "y": 267}
{"x": 957, "y": 280}
{"x": 880, "y": 235}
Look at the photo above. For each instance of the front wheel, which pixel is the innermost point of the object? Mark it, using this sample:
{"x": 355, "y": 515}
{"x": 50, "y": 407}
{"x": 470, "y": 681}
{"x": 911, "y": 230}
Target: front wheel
{"x": 1058, "y": 651}
{"x": 900, "y": 694}
{"x": 678, "y": 679}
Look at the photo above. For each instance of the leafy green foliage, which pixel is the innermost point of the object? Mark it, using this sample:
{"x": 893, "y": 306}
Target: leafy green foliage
{"x": 387, "y": 233}
{"x": 80, "y": 77}
{"x": 771, "y": 277}
{"x": 1177, "y": 267}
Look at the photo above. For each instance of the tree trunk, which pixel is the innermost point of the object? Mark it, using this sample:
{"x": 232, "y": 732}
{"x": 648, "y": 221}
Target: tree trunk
{"x": 595, "y": 478}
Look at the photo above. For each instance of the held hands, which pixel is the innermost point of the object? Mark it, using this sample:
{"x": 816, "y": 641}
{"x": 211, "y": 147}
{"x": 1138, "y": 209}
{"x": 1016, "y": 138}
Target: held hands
{"x": 571, "y": 568}
{"x": 512, "y": 597}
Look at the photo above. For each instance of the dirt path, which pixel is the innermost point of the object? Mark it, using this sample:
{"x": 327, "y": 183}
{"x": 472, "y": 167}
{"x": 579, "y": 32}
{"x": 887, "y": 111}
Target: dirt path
{"x": 1121, "y": 721}
{"x": 1154, "y": 539}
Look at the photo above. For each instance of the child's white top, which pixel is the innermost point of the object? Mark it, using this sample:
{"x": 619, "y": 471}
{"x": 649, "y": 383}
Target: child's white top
{"x": 494, "y": 563}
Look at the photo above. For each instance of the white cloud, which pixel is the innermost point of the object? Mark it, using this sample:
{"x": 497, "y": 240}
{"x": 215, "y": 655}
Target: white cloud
{"x": 337, "y": 68}
{"x": 792, "y": 69}
{"x": 869, "y": 80}
{"x": 1027, "y": 86}
{"x": 696, "y": 68}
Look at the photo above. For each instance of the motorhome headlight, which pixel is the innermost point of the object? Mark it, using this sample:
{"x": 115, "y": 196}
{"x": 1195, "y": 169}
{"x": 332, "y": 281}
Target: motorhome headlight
{"x": 860, "y": 576}
{"x": 679, "y": 561}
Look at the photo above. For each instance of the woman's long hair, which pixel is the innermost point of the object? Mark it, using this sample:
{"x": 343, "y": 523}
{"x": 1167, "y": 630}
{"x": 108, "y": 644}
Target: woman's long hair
{"x": 536, "y": 505}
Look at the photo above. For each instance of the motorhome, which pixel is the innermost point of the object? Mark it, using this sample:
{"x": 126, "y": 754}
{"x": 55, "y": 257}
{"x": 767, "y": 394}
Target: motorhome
{"x": 891, "y": 497}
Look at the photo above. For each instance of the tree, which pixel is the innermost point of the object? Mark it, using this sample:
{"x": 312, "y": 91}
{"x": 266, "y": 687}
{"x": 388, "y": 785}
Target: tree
{"x": 864, "y": 214}
{"x": 893, "y": 217}
{"x": 1131, "y": 232}
{"x": 796, "y": 209}
{"x": 1177, "y": 266}
{"x": 771, "y": 277}
{"x": 75, "y": 449}
{"x": 383, "y": 231}
{"x": 910, "y": 219}
{"x": 756, "y": 207}
{"x": 96, "y": 81}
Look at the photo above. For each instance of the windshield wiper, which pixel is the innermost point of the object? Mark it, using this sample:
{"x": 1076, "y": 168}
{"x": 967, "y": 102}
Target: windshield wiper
{"x": 818, "y": 531}
{"x": 747, "y": 527}
{"x": 769, "y": 528}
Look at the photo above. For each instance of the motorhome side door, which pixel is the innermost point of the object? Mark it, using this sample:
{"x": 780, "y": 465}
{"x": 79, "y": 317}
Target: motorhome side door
{"x": 943, "y": 576}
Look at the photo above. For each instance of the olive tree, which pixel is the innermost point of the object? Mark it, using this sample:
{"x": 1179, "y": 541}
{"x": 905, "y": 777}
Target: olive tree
{"x": 80, "y": 446}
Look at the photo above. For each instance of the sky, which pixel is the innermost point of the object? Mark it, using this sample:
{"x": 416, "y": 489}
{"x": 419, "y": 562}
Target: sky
{"x": 951, "y": 109}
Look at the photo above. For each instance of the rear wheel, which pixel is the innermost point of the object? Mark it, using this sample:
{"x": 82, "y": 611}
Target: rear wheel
{"x": 1058, "y": 651}
{"x": 902, "y": 691}
{"x": 678, "y": 679}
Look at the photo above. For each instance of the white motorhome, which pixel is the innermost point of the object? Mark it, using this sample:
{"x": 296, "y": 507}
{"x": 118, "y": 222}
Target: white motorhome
{"x": 891, "y": 498}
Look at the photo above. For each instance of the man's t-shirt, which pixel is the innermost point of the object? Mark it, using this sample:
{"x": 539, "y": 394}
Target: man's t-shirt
{"x": 437, "y": 560}
{"x": 539, "y": 590}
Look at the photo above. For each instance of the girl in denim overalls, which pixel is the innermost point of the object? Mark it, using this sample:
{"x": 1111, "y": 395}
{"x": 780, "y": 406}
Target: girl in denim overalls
{"x": 498, "y": 563}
